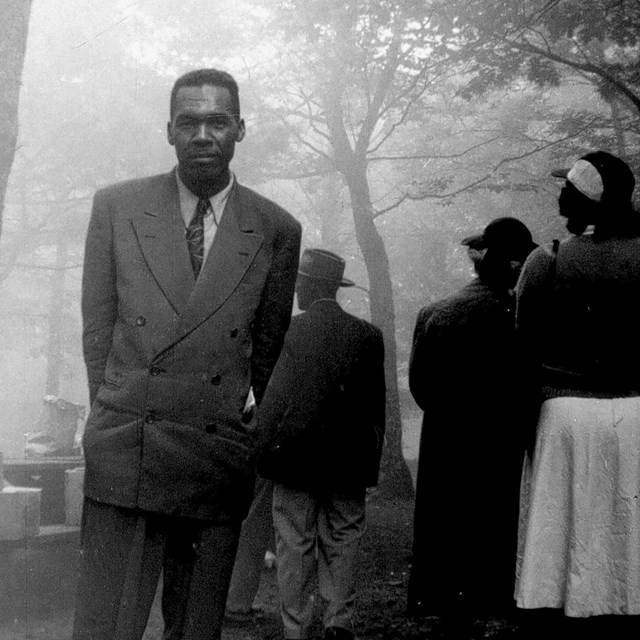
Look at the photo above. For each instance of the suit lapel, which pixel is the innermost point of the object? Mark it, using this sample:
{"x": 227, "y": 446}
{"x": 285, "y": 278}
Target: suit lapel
{"x": 160, "y": 231}
{"x": 234, "y": 249}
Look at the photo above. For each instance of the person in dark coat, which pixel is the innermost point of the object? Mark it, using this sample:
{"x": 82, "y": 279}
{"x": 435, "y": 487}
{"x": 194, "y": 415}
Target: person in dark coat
{"x": 466, "y": 375}
{"x": 320, "y": 432}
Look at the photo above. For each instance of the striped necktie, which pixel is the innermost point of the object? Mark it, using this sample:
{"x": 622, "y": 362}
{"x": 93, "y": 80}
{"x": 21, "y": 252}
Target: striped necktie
{"x": 195, "y": 235}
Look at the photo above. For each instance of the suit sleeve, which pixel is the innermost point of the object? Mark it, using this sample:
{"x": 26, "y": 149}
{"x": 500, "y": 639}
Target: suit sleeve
{"x": 99, "y": 295}
{"x": 269, "y": 422}
{"x": 274, "y": 313}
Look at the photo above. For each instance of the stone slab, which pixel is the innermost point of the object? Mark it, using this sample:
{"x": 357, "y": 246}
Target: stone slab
{"x": 19, "y": 512}
{"x": 73, "y": 496}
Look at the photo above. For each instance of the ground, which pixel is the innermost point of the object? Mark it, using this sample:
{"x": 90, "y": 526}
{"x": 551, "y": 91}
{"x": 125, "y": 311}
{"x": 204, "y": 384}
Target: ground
{"x": 383, "y": 574}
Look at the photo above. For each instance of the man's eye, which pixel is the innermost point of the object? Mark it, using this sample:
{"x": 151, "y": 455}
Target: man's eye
{"x": 217, "y": 122}
{"x": 213, "y": 123}
{"x": 187, "y": 124}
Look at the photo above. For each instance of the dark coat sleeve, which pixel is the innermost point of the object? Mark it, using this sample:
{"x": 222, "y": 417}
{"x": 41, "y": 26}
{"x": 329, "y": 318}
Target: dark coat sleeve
{"x": 99, "y": 294}
{"x": 425, "y": 339}
{"x": 373, "y": 397}
{"x": 274, "y": 313}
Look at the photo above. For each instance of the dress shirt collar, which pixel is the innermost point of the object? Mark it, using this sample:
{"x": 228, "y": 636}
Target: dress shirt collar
{"x": 189, "y": 200}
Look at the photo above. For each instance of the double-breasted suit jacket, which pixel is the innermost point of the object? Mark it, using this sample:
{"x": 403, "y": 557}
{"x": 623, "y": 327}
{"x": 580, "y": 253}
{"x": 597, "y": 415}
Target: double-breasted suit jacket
{"x": 321, "y": 425}
{"x": 170, "y": 362}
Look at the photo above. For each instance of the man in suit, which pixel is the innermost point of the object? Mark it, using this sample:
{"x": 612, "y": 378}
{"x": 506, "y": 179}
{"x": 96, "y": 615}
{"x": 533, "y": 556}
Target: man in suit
{"x": 320, "y": 431}
{"x": 187, "y": 291}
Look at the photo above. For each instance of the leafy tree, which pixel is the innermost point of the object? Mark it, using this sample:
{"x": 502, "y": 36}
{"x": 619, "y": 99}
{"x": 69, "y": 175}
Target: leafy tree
{"x": 499, "y": 41}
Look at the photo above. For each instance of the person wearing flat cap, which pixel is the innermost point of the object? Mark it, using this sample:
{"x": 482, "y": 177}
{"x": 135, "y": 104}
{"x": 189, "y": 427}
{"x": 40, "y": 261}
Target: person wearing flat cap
{"x": 577, "y": 312}
{"x": 319, "y": 432}
{"x": 465, "y": 373}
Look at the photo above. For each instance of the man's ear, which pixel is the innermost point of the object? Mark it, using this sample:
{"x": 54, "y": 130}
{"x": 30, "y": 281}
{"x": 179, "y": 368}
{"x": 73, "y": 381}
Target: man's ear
{"x": 241, "y": 131}
{"x": 170, "y": 137}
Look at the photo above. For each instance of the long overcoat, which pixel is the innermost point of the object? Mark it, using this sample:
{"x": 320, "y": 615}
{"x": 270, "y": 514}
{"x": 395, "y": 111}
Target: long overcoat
{"x": 169, "y": 362}
{"x": 468, "y": 375}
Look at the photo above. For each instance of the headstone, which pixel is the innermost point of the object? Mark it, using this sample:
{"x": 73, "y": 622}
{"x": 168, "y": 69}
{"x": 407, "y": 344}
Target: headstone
{"x": 19, "y": 512}
{"x": 73, "y": 496}
{"x": 57, "y": 429}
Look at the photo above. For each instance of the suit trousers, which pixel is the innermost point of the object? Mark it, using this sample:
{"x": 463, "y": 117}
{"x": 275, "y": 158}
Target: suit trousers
{"x": 256, "y": 537}
{"x": 123, "y": 553}
{"x": 317, "y": 535}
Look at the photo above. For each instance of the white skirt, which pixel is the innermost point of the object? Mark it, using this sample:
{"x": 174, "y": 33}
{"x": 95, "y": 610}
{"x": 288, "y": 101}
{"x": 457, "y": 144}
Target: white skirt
{"x": 579, "y": 533}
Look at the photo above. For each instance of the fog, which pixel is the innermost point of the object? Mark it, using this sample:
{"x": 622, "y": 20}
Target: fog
{"x": 391, "y": 130}
{"x": 93, "y": 110}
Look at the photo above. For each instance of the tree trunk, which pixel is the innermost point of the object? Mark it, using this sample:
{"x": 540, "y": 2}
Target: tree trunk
{"x": 395, "y": 478}
{"x": 13, "y": 41}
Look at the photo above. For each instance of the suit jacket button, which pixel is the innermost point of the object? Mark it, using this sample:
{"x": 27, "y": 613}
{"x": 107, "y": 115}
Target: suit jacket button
{"x": 141, "y": 321}
{"x": 233, "y": 333}
{"x": 215, "y": 380}
{"x": 156, "y": 371}
{"x": 210, "y": 428}
{"x": 149, "y": 418}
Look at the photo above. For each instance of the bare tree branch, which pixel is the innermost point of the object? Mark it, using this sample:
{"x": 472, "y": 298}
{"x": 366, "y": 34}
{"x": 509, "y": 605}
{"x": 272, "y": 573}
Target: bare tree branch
{"x": 599, "y": 71}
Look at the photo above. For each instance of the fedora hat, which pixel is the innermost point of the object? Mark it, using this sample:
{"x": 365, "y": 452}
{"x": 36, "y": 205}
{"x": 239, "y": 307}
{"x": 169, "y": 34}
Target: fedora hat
{"x": 321, "y": 264}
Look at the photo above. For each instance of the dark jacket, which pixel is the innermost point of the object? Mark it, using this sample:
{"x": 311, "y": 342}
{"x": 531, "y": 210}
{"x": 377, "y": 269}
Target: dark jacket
{"x": 321, "y": 423}
{"x": 170, "y": 364}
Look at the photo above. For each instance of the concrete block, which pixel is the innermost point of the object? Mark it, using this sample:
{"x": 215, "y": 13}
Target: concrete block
{"x": 73, "y": 496}
{"x": 19, "y": 512}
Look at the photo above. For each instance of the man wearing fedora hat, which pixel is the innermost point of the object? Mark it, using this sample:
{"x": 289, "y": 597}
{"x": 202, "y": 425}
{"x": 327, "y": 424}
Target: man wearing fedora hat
{"x": 319, "y": 433}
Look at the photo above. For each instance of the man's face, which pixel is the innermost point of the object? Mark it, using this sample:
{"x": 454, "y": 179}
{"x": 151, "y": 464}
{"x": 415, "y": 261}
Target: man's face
{"x": 204, "y": 130}
{"x": 567, "y": 200}
{"x": 475, "y": 255}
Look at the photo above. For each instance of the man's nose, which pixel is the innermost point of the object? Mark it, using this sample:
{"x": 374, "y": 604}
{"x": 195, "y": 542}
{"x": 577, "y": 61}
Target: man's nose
{"x": 202, "y": 132}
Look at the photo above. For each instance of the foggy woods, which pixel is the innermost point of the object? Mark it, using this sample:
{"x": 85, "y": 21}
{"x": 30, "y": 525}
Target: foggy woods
{"x": 390, "y": 129}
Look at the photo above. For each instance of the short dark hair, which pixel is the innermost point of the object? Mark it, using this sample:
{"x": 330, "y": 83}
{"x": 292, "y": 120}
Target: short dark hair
{"x": 201, "y": 77}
